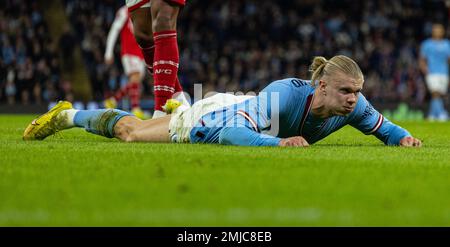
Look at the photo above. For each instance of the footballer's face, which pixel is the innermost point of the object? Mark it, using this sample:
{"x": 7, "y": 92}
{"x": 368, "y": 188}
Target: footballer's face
{"x": 341, "y": 93}
{"x": 438, "y": 31}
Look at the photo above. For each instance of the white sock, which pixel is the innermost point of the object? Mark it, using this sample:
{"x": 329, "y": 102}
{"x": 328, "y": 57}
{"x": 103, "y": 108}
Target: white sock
{"x": 181, "y": 108}
{"x": 68, "y": 116}
{"x": 182, "y": 98}
{"x": 158, "y": 114}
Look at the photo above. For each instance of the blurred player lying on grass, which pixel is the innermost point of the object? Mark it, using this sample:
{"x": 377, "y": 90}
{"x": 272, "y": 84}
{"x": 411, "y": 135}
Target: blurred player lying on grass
{"x": 288, "y": 112}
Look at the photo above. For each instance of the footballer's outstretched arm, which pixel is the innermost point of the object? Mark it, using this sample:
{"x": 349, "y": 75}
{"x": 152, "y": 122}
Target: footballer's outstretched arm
{"x": 245, "y": 137}
{"x": 113, "y": 34}
{"x": 369, "y": 121}
{"x": 245, "y": 132}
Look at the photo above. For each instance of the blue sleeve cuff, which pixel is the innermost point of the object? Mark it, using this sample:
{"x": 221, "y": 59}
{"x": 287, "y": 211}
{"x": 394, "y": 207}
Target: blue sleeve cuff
{"x": 390, "y": 133}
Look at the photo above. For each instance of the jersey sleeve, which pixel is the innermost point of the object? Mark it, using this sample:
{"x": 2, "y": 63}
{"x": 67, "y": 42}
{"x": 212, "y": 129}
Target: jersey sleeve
{"x": 448, "y": 49}
{"x": 369, "y": 121}
{"x": 253, "y": 119}
{"x": 424, "y": 49}
{"x": 243, "y": 136}
{"x": 117, "y": 25}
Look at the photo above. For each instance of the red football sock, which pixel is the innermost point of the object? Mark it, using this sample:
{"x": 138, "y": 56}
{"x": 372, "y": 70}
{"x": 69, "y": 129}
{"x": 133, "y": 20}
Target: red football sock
{"x": 149, "y": 54}
{"x": 134, "y": 92}
{"x": 178, "y": 87}
{"x": 120, "y": 93}
{"x": 165, "y": 66}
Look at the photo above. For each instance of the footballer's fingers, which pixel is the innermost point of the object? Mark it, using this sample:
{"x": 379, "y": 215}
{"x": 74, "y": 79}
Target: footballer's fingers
{"x": 295, "y": 141}
{"x": 405, "y": 142}
{"x": 417, "y": 143}
{"x": 302, "y": 141}
{"x": 410, "y": 141}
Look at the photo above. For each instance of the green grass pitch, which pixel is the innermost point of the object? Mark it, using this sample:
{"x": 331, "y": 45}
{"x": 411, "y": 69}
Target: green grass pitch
{"x": 348, "y": 179}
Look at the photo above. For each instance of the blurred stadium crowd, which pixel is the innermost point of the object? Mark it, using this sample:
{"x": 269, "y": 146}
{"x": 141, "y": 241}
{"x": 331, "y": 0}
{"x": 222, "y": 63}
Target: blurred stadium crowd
{"x": 29, "y": 61}
{"x": 230, "y": 45}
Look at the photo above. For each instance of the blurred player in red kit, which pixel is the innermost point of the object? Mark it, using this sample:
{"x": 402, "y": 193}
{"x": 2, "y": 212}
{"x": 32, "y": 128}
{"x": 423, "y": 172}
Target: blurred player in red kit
{"x": 132, "y": 61}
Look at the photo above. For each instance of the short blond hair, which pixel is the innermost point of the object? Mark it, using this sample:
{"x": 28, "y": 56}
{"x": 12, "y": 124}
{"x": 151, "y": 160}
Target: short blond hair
{"x": 321, "y": 67}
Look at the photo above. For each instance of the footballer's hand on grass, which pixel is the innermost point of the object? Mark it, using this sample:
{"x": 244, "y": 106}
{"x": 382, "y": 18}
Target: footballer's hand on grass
{"x": 410, "y": 141}
{"x": 296, "y": 141}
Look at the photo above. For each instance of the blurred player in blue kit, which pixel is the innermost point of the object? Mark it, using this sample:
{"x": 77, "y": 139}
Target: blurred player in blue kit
{"x": 434, "y": 58}
{"x": 288, "y": 112}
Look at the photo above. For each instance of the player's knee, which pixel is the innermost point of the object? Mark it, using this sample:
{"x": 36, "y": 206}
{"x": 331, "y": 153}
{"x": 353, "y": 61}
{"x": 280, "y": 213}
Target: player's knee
{"x": 142, "y": 31}
{"x": 144, "y": 39}
{"x": 164, "y": 21}
{"x": 135, "y": 78}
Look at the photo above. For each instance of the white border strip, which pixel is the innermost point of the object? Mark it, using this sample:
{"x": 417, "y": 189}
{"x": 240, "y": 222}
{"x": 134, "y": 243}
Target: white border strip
{"x": 377, "y": 126}
{"x": 165, "y": 62}
{"x": 246, "y": 116}
{"x": 163, "y": 88}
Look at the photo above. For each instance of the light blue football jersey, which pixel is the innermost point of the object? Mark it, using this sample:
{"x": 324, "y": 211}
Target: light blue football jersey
{"x": 437, "y": 53}
{"x": 282, "y": 110}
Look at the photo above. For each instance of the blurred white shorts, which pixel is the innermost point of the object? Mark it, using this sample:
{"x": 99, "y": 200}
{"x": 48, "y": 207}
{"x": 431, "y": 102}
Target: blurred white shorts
{"x": 437, "y": 83}
{"x": 135, "y": 4}
{"x": 181, "y": 123}
{"x": 132, "y": 64}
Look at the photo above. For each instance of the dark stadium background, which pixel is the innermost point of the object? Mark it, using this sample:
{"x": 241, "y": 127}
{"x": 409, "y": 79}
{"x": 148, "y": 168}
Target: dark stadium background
{"x": 53, "y": 50}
